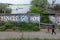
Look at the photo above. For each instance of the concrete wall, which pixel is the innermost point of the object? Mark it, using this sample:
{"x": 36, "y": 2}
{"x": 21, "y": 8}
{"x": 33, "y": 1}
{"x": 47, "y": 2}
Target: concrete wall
{"x": 20, "y": 18}
{"x": 20, "y": 9}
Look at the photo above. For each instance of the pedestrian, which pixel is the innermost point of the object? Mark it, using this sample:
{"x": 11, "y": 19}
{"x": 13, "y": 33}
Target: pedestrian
{"x": 53, "y": 29}
{"x": 48, "y": 28}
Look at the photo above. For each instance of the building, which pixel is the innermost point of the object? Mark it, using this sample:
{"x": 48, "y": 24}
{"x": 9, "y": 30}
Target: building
{"x": 19, "y": 8}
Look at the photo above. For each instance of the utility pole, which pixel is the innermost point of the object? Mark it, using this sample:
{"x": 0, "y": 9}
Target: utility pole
{"x": 39, "y": 22}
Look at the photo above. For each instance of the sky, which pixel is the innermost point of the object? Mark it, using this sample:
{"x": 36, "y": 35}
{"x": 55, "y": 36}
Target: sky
{"x": 16, "y": 1}
{"x": 23, "y": 1}
{"x": 57, "y": 1}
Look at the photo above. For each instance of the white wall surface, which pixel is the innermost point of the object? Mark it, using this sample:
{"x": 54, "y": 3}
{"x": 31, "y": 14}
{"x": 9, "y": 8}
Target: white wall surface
{"x": 20, "y": 9}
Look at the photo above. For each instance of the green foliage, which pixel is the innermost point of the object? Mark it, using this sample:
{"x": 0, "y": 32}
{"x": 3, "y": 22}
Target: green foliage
{"x": 2, "y": 6}
{"x": 8, "y": 24}
{"x": 37, "y": 10}
{"x": 28, "y": 27}
{"x": 2, "y": 23}
{"x": 2, "y": 28}
{"x": 1, "y": 11}
{"x": 20, "y": 26}
{"x": 34, "y": 26}
{"x": 58, "y": 27}
{"x": 34, "y": 10}
{"x": 8, "y": 10}
{"x": 40, "y": 3}
{"x": 38, "y": 6}
{"x": 44, "y": 19}
{"x": 4, "y": 9}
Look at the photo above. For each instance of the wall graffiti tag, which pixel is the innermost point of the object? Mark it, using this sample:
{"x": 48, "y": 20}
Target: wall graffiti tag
{"x": 52, "y": 19}
{"x": 58, "y": 20}
{"x": 35, "y": 18}
{"x": 23, "y": 18}
{"x": 20, "y": 18}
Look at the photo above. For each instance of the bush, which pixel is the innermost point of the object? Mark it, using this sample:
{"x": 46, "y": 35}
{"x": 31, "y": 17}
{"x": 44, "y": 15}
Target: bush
{"x": 2, "y": 28}
{"x": 20, "y": 26}
{"x": 34, "y": 10}
{"x": 34, "y": 26}
{"x": 58, "y": 27}
{"x": 37, "y": 10}
{"x": 8, "y": 10}
{"x": 28, "y": 27}
{"x": 45, "y": 19}
{"x": 2, "y": 23}
{"x": 9, "y": 24}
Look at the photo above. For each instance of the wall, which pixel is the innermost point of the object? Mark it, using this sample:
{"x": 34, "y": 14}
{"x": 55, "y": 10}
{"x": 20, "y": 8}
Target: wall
{"x": 35, "y": 18}
{"x": 21, "y": 18}
{"x": 20, "y": 9}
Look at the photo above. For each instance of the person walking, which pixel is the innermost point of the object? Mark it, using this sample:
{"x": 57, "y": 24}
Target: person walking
{"x": 53, "y": 29}
{"x": 48, "y": 28}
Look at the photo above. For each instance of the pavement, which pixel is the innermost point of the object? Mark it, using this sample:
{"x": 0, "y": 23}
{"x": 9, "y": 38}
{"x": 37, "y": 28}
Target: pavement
{"x": 40, "y": 34}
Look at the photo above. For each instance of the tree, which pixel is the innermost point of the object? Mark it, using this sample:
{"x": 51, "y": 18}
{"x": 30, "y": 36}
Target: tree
{"x": 8, "y": 10}
{"x": 4, "y": 9}
{"x": 38, "y": 6}
{"x": 35, "y": 9}
{"x": 3, "y": 5}
{"x": 40, "y": 3}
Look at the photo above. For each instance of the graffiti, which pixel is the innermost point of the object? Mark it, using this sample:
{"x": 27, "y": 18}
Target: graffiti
{"x": 58, "y": 20}
{"x": 35, "y": 18}
{"x": 20, "y": 18}
{"x": 8, "y": 18}
{"x": 23, "y": 18}
{"x": 52, "y": 19}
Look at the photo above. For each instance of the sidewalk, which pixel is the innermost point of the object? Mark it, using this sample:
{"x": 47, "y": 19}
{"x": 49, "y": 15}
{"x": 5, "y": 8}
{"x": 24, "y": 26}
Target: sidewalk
{"x": 40, "y": 34}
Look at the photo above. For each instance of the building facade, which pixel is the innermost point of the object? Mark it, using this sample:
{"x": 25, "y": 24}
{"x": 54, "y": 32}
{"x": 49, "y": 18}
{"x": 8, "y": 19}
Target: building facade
{"x": 20, "y": 8}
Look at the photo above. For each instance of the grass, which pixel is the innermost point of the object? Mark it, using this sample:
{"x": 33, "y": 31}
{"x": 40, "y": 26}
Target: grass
{"x": 28, "y": 39}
